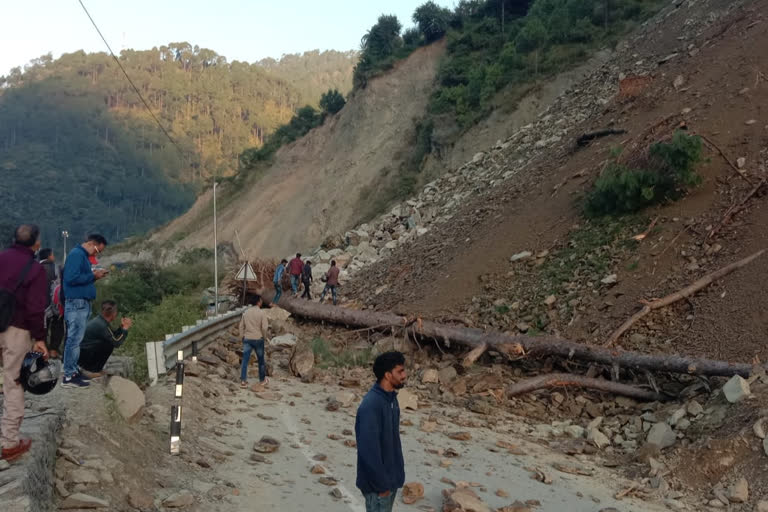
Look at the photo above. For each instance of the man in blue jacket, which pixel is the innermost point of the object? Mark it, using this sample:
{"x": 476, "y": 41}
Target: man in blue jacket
{"x": 277, "y": 280}
{"x": 380, "y": 467}
{"x": 79, "y": 286}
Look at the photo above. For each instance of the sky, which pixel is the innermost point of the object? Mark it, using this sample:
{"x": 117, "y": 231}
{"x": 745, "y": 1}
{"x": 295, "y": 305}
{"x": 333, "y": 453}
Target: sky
{"x": 245, "y": 30}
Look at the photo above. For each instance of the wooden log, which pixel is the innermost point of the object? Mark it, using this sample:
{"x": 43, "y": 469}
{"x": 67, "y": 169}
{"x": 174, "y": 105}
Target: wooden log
{"x": 517, "y": 345}
{"x": 560, "y": 380}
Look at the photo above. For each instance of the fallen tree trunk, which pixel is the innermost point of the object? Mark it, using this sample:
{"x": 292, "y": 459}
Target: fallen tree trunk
{"x": 679, "y": 295}
{"x": 586, "y": 138}
{"x": 519, "y": 345}
{"x": 560, "y": 380}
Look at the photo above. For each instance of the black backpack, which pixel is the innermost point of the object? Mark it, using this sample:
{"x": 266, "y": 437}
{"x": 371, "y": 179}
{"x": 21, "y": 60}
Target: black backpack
{"x": 8, "y": 298}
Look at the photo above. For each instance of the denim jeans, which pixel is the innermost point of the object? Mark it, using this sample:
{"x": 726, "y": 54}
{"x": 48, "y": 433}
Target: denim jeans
{"x": 376, "y": 503}
{"x": 278, "y": 292}
{"x": 258, "y": 346}
{"x": 294, "y": 284}
{"x": 331, "y": 287}
{"x": 76, "y": 313}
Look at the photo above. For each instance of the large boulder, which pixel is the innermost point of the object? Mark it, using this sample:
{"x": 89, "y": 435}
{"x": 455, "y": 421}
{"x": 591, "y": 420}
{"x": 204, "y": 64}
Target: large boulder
{"x": 384, "y": 345}
{"x": 463, "y": 499}
{"x": 128, "y": 397}
{"x": 302, "y": 362}
{"x": 285, "y": 341}
{"x": 278, "y": 318}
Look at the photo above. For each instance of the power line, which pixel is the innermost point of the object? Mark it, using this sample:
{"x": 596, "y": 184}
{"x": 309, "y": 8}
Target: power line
{"x": 131, "y": 81}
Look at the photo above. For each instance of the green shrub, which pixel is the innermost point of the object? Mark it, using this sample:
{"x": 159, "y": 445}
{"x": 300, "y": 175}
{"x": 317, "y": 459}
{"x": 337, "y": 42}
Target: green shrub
{"x": 325, "y": 357}
{"x": 332, "y": 101}
{"x": 669, "y": 173}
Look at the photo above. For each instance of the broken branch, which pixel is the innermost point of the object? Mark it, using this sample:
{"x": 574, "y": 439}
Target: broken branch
{"x": 560, "y": 380}
{"x": 589, "y": 137}
{"x": 733, "y": 166}
{"x": 733, "y": 210}
{"x": 473, "y": 355}
{"x": 679, "y": 295}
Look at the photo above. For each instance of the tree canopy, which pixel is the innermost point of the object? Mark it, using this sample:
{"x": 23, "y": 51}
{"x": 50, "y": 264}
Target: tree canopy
{"x": 79, "y": 151}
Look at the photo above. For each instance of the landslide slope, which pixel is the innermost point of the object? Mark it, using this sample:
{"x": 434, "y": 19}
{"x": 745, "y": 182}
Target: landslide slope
{"x": 314, "y": 186}
{"x": 695, "y": 68}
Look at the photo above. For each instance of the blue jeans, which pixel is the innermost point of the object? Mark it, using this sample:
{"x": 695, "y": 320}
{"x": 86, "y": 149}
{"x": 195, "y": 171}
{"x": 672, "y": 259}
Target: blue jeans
{"x": 375, "y": 503}
{"x": 258, "y": 346}
{"x": 76, "y": 313}
{"x": 278, "y": 292}
{"x": 294, "y": 284}
{"x": 331, "y": 287}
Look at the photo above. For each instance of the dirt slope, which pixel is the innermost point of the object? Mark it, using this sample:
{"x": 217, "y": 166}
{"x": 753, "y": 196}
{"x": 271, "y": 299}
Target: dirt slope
{"x": 313, "y": 188}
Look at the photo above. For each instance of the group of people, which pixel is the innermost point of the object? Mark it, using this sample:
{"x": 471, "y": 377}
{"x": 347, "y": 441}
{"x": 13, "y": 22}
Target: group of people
{"x": 380, "y": 465}
{"x": 51, "y": 305}
{"x": 301, "y": 272}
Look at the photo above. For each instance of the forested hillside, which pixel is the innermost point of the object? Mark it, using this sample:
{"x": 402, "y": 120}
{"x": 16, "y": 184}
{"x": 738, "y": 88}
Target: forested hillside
{"x": 79, "y": 151}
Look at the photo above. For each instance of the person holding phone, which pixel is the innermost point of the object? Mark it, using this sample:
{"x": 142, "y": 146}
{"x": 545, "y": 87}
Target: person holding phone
{"x": 78, "y": 283}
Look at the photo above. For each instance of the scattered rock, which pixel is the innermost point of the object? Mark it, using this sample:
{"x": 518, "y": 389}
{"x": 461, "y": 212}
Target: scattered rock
{"x": 345, "y": 398}
{"x": 521, "y": 256}
{"x": 83, "y": 476}
{"x": 407, "y": 399}
{"x": 332, "y": 405}
{"x": 598, "y": 438}
{"x": 661, "y": 435}
{"x": 80, "y": 500}
{"x": 460, "y": 436}
{"x": 759, "y": 429}
{"x": 739, "y": 491}
{"x": 327, "y": 480}
{"x": 430, "y": 376}
{"x": 550, "y": 300}
{"x": 463, "y": 499}
{"x": 286, "y": 340}
{"x": 447, "y": 375}
{"x": 741, "y": 162}
{"x": 179, "y": 500}
{"x": 427, "y": 426}
{"x": 141, "y": 501}
{"x": 412, "y": 492}
{"x": 336, "y": 493}
{"x": 320, "y": 457}
{"x": 4, "y": 465}
{"x": 128, "y": 397}
{"x": 257, "y": 457}
{"x": 302, "y": 360}
{"x": 266, "y": 444}
{"x": 501, "y": 493}
{"x": 272, "y": 396}
{"x": 762, "y": 506}
{"x": 318, "y": 469}
{"x": 694, "y": 408}
{"x": 736, "y": 389}
{"x": 610, "y": 279}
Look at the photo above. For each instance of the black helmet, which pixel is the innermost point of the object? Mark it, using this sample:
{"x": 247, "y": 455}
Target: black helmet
{"x": 38, "y": 376}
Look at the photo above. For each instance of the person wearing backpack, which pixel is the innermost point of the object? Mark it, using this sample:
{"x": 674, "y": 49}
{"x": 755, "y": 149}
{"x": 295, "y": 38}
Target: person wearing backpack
{"x": 78, "y": 283}
{"x": 54, "y": 315}
{"x": 23, "y": 299}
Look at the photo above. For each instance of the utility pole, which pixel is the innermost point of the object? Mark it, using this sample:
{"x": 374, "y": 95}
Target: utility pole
{"x": 215, "y": 256}
{"x": 64, "y": 236}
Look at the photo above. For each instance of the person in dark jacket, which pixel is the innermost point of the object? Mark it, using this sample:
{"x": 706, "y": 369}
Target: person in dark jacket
{"x": 21, "y": 274}
{"x": 380, "y": 466}
{"x": 306, "y": 278}
{"x": 54, "y": 321}
{"x": 79, "y": 290}
{"x": 100, "y": 339}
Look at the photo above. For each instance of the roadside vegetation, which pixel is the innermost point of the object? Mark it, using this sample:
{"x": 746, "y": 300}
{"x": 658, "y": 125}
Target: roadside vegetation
{"x": 159, "y": 300}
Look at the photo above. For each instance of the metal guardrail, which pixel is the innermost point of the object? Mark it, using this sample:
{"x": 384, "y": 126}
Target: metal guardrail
{"x": 162, "y": 355}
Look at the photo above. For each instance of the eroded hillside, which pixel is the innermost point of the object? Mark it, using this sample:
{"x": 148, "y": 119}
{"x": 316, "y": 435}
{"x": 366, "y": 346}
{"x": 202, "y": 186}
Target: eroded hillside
{"x": 313, "y": 188}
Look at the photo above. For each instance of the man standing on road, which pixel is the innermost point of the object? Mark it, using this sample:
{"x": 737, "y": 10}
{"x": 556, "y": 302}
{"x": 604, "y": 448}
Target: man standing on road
{"x": 54, "y": 319}
{"x": 100, "y": 340}
{"x": 253, "y": 328}
{"x": 306, "y": 278}
{"x": 79, "y": 290}
{"x": 380, "y": 466}
{"x": 332, "y": 282}
{"x": 294, "y": 269}
{"x": 23, "y": 276}
{"x": 277, "y": 280}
